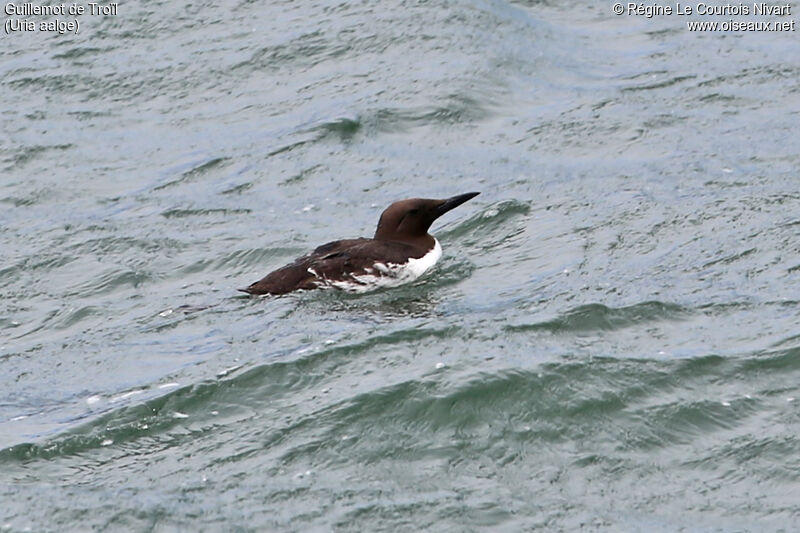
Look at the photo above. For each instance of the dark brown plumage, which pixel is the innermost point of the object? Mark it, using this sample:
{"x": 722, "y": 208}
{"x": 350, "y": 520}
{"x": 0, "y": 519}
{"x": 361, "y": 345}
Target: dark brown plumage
{"x": 402, "y": 234}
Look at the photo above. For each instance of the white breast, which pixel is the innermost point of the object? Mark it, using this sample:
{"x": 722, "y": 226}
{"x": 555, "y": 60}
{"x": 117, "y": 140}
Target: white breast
{"x": 418, "y": 267}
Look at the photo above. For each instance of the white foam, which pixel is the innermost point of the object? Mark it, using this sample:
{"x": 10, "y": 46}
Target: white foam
{"x": 126, "y": 395}
{"x": 225, "y": 372}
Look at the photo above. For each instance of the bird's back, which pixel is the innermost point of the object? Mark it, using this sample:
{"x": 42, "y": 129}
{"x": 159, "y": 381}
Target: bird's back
{"x": 352, "y": 264}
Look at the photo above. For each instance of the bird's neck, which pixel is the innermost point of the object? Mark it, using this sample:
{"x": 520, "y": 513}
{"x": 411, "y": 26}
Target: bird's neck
{"x": 424, "y": 242}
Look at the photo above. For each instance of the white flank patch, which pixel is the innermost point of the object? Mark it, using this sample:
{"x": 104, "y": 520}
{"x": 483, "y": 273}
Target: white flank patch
{"x": 391, "y": 274}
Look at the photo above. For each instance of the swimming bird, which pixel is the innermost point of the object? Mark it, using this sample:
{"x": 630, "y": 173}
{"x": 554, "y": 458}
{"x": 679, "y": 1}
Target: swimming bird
{"x": 401, "y": 251}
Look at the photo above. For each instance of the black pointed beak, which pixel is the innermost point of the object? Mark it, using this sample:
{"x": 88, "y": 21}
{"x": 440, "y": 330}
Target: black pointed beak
{"x": 455, "y": 201}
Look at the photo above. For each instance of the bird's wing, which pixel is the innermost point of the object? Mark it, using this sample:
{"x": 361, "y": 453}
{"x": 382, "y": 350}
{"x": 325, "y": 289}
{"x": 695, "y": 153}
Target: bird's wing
{"x": 345, "y": 260}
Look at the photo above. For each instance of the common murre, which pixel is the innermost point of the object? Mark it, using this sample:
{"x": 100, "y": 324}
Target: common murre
{"x": 401, "y": 251}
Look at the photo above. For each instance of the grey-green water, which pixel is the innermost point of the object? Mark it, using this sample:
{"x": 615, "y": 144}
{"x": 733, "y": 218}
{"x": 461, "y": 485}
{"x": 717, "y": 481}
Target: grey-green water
{"x": 610, "y": 342}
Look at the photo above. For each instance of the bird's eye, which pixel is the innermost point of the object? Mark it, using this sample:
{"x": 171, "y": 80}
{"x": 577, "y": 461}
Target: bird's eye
{"x": 414, "y": 211}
